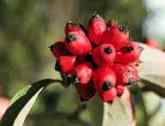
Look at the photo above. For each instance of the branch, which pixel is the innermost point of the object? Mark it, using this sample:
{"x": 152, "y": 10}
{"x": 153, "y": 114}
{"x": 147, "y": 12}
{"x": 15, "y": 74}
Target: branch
{"x": 149, "y": 86}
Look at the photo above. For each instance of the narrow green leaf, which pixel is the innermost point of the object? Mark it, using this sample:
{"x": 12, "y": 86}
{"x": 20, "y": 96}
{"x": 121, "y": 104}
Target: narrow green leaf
{"x": 139, "y": 106}
{"x": 23, "y": 102}
{"x": 96, "y": 109}
{"x": 20, "y": 93}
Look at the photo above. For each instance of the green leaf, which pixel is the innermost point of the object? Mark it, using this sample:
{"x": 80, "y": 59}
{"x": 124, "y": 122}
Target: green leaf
{"x": 23, "y": 101}
{"x": 20, "y": 93}
{"x": 120, "y": 112}
{"x": 96, "y": 109}
{"x": 152, "y": 70}
{"x": 139, "y": 106}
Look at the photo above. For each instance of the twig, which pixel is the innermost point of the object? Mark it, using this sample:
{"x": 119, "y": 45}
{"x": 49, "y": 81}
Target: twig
{"x": 149, "y": 86}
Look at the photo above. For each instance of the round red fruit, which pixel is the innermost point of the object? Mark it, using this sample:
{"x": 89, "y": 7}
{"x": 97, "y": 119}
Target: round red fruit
{"x": 108, "y": 96}
{"x": 66, "y": 63}
{"x": 59, "y": 49}
{"x": 78, "y": 43}
{"x": 104, "y": 79}
{"x": 96, "y": 28}
{"x": 114, "y": 36}
{"x": 125, "y": 74}
{"x": 104, "y": 54}
{"x": 83, "y": 73}
{"x": 129, "y": 53}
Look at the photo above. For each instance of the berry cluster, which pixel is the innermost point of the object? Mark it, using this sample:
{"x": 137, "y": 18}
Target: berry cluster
{"x": 98, "y": 59}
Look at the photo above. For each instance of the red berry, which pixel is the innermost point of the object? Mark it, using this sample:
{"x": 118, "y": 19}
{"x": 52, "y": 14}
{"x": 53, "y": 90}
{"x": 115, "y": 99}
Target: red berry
{"x": 104, "y": 54}
{"x": 152, "y": 43}
{"x": 125, "y": 74}
{"x": 96, "y": 28}
{"x": 104, "y": 78}
{"x": 114, "y": 36}
{"x": 83, "y": 73}
{"x": 85, "y": 91}
{"x": 72, "y": 27}
{"x": 128, "y": 53}
{"x": 66, "y": 63}
{"x": 120, "y": 90}
{"x": 59, "y": 49}
{"x": 108, "y": 96}
{"x": 78, "y": 43}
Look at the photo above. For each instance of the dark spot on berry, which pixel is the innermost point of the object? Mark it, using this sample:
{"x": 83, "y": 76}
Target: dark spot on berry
{"x": 89, "y": 58}
{"x": 108, "y": 50}
{"x": 70, "y": 38}
{"x": 127, "y": 49}
{"x": 119, "y": 95}
{"x": 57, "y": 66}
{"x": 91, "y": 90}
{"x": 106, "y": 86}
{"x": 94, "y": 44}
{"x": 110, "y": 102}
{"x": 51, "y": 47}
{"x": 130, "y": 81}
{"x": 68, "y": 78}
{"x": 83, "y": 99}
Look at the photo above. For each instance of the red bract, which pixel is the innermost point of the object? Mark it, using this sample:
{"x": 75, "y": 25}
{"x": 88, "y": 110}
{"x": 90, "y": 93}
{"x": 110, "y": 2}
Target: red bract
{"x": 104, "y": 78}
{"x": 66, "y": 63}
{"x": 59, "y": 49}
{"x": 129, "y": 53}
{"x": 114, "y": 36}
{"x": 96, "y": 28}
{"x": 125, "y": 74}
{"x": 100, "y": 59}
{"x": 83, "y": 73}
{"x": 104, "y": 54}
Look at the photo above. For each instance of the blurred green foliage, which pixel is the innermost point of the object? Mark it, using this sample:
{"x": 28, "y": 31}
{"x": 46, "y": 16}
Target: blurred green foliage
{"x": 28, "y": 27}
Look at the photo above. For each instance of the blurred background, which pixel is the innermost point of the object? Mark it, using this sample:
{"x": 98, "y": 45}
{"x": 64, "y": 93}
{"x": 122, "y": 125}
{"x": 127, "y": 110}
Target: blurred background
{"x": 29, "y": 27}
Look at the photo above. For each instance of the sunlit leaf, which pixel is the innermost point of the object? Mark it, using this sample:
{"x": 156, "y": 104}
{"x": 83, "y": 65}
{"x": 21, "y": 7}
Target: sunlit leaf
{"x": 119, "y": 113}
{"x": 152, "y": 69}
{"x": 153, "y": 64}
{"x": 23, "y": 102}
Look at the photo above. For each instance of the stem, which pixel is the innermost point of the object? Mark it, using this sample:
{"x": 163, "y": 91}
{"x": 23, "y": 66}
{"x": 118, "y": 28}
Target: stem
{"x": 149, "y": 86}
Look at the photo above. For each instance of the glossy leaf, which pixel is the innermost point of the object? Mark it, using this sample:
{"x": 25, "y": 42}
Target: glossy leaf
{"x": 152, "y": 70}
{"x": 23, "y": 102}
